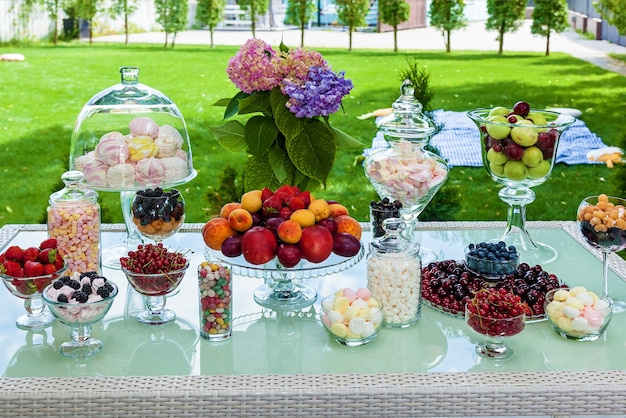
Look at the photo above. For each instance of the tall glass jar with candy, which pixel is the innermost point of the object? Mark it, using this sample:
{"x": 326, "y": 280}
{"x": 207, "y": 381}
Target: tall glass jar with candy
{"x": 74, "y": 220}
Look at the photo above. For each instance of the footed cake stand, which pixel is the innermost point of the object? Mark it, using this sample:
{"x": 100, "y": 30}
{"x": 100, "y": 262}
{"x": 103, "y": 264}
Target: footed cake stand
{"x": 283, "y": 289}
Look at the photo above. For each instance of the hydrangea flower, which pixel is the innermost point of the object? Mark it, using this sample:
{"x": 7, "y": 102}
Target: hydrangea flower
{"x": 319, "y": 96}
{"x": 254, "y": 67}
{"x": 296, "y": 64}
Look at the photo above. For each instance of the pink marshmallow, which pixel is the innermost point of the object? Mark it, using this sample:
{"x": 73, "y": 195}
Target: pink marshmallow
{"x": 350, "y": 294}
{"x": 364, "y": 293}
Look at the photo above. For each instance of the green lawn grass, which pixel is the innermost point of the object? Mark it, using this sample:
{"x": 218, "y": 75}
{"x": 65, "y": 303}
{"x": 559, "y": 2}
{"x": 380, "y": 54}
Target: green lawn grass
{"x": 41, "y": 97}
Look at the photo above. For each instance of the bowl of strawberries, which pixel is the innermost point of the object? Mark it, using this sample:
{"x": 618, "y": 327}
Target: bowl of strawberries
{"x": 26, "y": 272}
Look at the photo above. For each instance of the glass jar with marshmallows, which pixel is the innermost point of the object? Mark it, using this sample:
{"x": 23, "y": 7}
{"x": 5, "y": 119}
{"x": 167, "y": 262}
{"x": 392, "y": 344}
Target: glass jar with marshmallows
{"x": 394, "y": 275}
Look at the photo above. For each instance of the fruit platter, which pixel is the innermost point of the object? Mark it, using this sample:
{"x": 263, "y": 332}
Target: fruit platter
{"x": 283, "y": 236}
{"x": 448, "y": 285}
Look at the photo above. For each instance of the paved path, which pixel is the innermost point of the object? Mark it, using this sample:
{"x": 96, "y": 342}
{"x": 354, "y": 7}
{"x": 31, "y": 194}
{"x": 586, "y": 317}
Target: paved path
{"x": 473, "y": 37}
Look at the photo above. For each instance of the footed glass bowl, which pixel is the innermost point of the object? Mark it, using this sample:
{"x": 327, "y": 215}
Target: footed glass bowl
{"x": 80, "y": 317}
{"x": 351, "y": 328}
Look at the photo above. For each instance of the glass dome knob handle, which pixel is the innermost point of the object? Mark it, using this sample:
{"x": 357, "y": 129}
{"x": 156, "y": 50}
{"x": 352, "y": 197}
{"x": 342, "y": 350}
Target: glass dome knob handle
{"x": 130, "y": 75}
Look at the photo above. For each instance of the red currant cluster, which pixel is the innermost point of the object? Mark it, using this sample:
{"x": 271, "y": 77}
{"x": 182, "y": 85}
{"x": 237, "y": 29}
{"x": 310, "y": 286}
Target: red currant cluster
{"x": 153, "y": 259}
{"x": 497, "y": 312}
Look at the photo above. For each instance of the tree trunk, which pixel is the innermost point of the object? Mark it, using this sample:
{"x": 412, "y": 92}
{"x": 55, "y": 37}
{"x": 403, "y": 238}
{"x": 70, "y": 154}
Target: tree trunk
{"x": 211, "y": 32}
{"x": 448, "y": 48}
{"x": 500, "y": 43}
{"x": 173, "y": 39}
{"x": 548, "y": 44}
{"x": 302, "y": 26}
{"x": 90, "y": 31}
{"x": 253, "y": 23}
{"x": 350, "y": 38}
{"x": 395, "y": 38}
{"x": 126, "y": 26}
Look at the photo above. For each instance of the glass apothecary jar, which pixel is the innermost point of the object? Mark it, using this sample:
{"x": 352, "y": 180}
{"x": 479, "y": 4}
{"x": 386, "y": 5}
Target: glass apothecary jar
{"x": 131, "y": 136}
{"x": 394, "y": 275}
{"x": 74, "y": 220}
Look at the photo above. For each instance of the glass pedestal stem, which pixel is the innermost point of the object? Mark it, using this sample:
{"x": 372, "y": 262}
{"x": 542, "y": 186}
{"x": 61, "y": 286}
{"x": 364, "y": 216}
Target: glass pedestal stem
{"x": 516, "y": 233}
{"x": 411, "y": 218}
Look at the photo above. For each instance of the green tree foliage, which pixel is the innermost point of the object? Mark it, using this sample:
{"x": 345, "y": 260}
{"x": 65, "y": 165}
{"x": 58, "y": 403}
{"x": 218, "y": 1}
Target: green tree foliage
{"x": 254, "y": 8}
{"x": 420, "y": 77}
{"x": 394, "y": 12}
{"x": 352, "y": 14}
{"x": 614, "y": 12}
{"x": 447, "y": 15}
{"x": 209, "y": 13}
{"x": 172, "y": 15}
{"x": 299, "y": 13}
{"x": 549, "y": 16}
{"x": 504, "y": 16}
{"x": 87, "y": 9}
{"x": 52, "y": 8}
{"x": 123, "y": 8}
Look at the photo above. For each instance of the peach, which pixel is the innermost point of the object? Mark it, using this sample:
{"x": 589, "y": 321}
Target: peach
{"x": 215, "y": 232}
{"x": 289, "y": 232}
{"x": 303, "y": 217}
{"x": 240, "y": 220}
{"x": 251, "y": 201}
{"x": 228, "y": 208}
{"x": 320, "y": 208}
{"x": 346, "y": 223}
{"x": 337, "y": 209}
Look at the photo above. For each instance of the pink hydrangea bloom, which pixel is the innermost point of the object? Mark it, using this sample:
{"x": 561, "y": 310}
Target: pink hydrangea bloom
{"x": 254, "y": 67}
{"x": 296, "y": 64}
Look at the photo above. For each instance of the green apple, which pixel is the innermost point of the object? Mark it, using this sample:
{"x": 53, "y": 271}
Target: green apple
{"x": 515, "y": 170}
{"x": 532, "y": 156}
{"x": 496, "y": 169}
{"x": 499, "y": 111}
{"x": 496, "y": 130}
{"x": 526, "y": 136}
{"x": 538, "y": 119}
{"x": 497, "y": 158}
{"x": 541, "y": 170}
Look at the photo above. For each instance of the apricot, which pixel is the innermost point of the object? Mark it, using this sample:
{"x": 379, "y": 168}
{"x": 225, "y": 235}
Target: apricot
{"x": 303, "y": 217}
{"x": 346, "y": 223}
{"x": 320, "y": 208}
{"x": 337, "y": 209}
{"x": 251, "y": 201}
{"x": 240, "y": 220}
{"x": 228, "y": 208}
{"x": 289, "y": 232}
{"x": 215, "y": 232}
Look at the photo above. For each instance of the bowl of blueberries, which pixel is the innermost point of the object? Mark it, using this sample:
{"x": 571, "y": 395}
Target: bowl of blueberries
{"x": 491, "y": 260}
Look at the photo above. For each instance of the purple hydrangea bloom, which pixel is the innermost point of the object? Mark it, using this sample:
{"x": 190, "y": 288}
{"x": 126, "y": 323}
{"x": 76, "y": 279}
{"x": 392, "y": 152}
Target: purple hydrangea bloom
{"x": 320, "y": 95}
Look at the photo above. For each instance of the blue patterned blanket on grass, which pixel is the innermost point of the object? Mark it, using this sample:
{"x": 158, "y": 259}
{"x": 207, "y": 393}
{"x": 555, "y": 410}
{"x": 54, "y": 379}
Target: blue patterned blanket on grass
{"x": 458, "y": 141}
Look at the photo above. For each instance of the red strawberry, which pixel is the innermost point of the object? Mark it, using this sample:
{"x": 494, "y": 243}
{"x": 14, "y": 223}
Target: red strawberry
{"x": 49, "y": 243}
{"x": 58, "y": 261}
{"x": 266, "y": 194}
{"x": 271, "y": 206}
{"x": 285, "y": 192}
{"x": 285, "y": 213}
{"x": 41, "y": 283}
{"x": 14, "y": 253}
{"x": 296, "y": 203}
{"x": 33, "y": 269}
{"x": 49, "y": 268}
{"x": 306, "y": 198}
{"x": 47, "y": 255}
{"x": 12, "y": 268}
{"x": 30, "y": 254}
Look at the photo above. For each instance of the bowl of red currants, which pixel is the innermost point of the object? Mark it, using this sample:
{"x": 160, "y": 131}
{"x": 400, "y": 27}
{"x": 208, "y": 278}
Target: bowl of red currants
{"x": 493, "y": 316}
{"x": 491, "y": 260}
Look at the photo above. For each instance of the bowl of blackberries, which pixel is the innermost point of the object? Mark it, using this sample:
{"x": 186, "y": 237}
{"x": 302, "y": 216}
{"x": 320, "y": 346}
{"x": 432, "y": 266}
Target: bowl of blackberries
{"x": 492, "y": 260}
{"x": 379, "y": 211}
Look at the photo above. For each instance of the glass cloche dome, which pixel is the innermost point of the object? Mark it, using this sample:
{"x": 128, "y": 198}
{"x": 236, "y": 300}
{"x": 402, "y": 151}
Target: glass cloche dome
{"x": 129, "y": 137}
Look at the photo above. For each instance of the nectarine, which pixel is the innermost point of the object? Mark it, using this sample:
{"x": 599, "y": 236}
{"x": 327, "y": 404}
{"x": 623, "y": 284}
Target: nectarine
{"x": 346, "y": 223}
{"x": 215, "y": 232}
{"x": 337, "y": 209}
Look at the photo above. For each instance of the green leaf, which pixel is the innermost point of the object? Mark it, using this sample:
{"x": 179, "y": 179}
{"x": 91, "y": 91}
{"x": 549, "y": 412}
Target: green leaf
{"x": 257, "y": 102}
{"x": 281, "y": 165}
{"x": 259, "y": 174}
{"x": 345, "y": 140}
{"x": 283, "y": 48}
{"x": 223, "y": 102}
{"x": 286, "y": 121}
{"x": 312, "y": 152}
{"x": 260, "y": 133}
{"x": 230, "y": 135}
{"x": 233, "y": 105}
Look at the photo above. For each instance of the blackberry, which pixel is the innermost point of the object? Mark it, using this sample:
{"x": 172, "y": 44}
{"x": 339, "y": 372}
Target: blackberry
{"x": 65, "y": 279}
{"x": 382, "y": 210}
{"x": 103, "y": 292}
{"x": 108, "y": 287}
{"x": 74, "y": 284}
{"x": 91, "y": 274}
{"x": 80, "y": 297}
{"x": 57, "y": 284}
{"x": 86, "y": 289}
{"x": 62, "y": 298}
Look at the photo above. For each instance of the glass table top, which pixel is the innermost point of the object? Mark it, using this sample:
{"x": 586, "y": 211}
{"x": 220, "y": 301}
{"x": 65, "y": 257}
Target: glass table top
{"x": 267, "y": 342}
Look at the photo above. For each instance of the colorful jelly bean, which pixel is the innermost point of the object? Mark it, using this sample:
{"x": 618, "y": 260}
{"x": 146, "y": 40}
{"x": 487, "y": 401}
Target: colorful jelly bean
{"x": 214, "y": 285}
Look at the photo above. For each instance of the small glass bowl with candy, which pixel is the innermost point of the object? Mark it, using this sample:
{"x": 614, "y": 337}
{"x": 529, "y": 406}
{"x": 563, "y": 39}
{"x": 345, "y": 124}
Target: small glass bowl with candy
{"x": 578, "y": 314}
{"x": 491, "y": 260}
{"x": 351, "y": 317}
{"x": 79, "y": 301}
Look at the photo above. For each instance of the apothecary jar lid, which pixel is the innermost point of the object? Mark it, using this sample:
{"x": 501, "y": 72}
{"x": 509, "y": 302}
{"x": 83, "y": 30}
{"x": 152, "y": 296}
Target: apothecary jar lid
{"x": 129, "y": 137}
{"x": 407, "y": 121}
